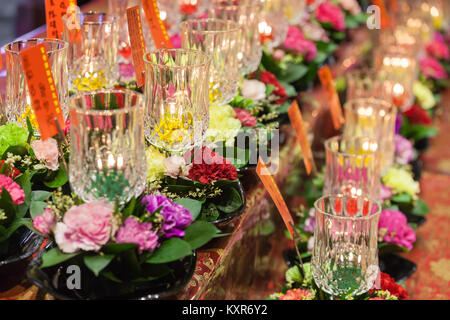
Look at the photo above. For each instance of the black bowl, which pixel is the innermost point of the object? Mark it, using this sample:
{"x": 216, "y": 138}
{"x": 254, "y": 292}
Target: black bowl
{"x": 22, "y": 245}
{"x": 54, "y": 280}
{"x": 225, "y": 218}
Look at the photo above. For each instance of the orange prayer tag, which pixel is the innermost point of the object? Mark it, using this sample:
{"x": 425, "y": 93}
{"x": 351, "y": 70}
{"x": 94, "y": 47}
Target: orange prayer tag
{"x": 137, "y": 43}
{"x": 41, "y": 86}
{"x": 54, "y": 11}
{"x": 326, "y": 78}
{"x": 296, "y": 118}
{"x": 157, "y": 28}
{"x": 275, "y": 194}
{"x": 384, "y": 17}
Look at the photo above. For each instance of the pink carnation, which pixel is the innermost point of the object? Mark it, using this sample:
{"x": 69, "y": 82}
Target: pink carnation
{"x": 86, "y": 227}
{"x": 47, "y": 150}
{"x": 393, "y": 227}
{"x": 438, "y": 48}
{"x": 140, "y": 233}
{"x": 327, "y": 12}
{"x": 45, "y": 222}
{"x": 296, "y": 42}
{"x": 245, "y": 117}
{"x": 14, "y": 190}
{"x": 385, "y": 192}
{"x": 176, "y": 40}
{"x": 67, "y": 127}
{"x": 432, "y": 68}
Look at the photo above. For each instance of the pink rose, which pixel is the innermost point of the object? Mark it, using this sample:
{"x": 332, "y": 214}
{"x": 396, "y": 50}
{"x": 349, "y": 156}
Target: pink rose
{"x": 351, "y": 6}
{"x": 176, "y": 40}
{"x": 278, "y": 54}
{"x": 175, "y": 166}
{"x": 45, "y": 222}
{"x": 140, "y": 233}
{"x": 385, "y": 192}
{"x": 47, "y": 150}
{"x": 432, "y": 68}
{"x": 438, "y": 48}
{"x": 327, "y": 12}
{"x": 86, "y": 227}
{"x": 296, "y": 42}
{"x": 314, "y": 32}
{"x": 245, "y": 117}
{"x": 14, "y": 190}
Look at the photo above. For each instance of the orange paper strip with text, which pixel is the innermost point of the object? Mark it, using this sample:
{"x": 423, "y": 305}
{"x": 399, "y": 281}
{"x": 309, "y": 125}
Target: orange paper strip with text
{"x": 54, "y": 11}
{"x": 296, "y": 118}
{"x": 384, "y": 17}
{"x": 41, "y": 87}
{"x": 137, "y": 43}
{"x": 157, "y": 28}
{"x": 275, "y": 194}
{"x": 326, "y": 78}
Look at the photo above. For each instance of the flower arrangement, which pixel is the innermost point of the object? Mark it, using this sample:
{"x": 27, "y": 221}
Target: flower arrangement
{"x": 132, "y": 245}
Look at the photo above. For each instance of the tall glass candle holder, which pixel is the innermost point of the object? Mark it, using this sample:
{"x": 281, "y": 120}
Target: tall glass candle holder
{"x": 345, "y": 255}
{"x": 375, "y": 119}
{"x": 17, "y": 100}
{"x": 247, "y": 15}
{"x": 93, "y": 50}
{"x": 399, "y": 67}
{"x": 176, "y": 93}
{"x": 273, "y": 26}
{"x": 352, "y": 167}
{"x": 107, "y": 158}
{"x": 219, "y": 39}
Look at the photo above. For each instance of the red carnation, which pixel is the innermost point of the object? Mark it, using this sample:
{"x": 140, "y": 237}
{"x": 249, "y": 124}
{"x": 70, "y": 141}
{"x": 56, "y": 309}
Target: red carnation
{"x": 387, "y": 283}
{"x": 417, "y": 115}
{"x": 269, "y": 78}
{"x": 10, "y": 171}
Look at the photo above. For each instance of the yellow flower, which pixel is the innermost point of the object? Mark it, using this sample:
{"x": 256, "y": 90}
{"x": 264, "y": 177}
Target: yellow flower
{"x": 401, "y": 180}
{"x": 90, "y": 81}
{"x": 223, "y": 125}
{"x": 424, "y": 95}
{"x": 155, "y": 164}
{"x": 22, "y": 120}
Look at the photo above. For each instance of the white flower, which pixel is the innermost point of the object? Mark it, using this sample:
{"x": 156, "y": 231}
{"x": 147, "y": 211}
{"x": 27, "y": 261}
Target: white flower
{"x": 175, "y": 166}
{"x": 253, "y": 89}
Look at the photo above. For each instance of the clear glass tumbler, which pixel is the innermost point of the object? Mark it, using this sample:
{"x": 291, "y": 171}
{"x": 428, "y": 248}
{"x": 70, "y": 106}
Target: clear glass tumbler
{"x": 345, "y": 255}
{"x": 93, "y": 50}
{"x": 107, "y": 159}
{"x": 352, "y": 167}
{"x": 220, "y": 40}
{"x": 367, "y": 83}
{"x": 247, "y": 15}
{"x": 176, "y": 93}
{"x": 375, "y": 119}
{"x": 17, "y": 100}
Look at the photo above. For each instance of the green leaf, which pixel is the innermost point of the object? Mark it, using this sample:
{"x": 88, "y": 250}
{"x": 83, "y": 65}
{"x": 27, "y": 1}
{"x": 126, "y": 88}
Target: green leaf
{"x": 321, "y": 57}
{"x": 200, "y": 233}
{"x": 40, "y": 195}
{"x": 402, "y": 198}
{"x": 171, "y": 250}
{"x": 97, "y": 263}
{"x": 290, "y": 90}
{"x": 116, "y": 248}
{"x": 59, "y": 180}
{"x": 420, "y": 209}
{"x": 194, "y": 206}
{"x": 232, "y": 202}
{"x": 293, "y": 72}
{"x": 16, "y": 224}
{"x": 37, "y": 208}
{"x": 210, "y": 212}
{"x": 269, "y": 89}
{"x": 25, "y": 182}
{"x": 55, "y": 256}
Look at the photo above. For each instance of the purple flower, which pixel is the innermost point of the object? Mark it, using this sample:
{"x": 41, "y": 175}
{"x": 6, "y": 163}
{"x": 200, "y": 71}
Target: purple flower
{"x": 140, "y": 233}
{"x": 404, "y": 150}
{"x": 126, "y": 70}
{"x": 398, "y": 123}
{"x": 176, "y": 217}
{"x": 310, "y": 222}
{"x": 393, "y": 227}
{"x": 385, "y": 192}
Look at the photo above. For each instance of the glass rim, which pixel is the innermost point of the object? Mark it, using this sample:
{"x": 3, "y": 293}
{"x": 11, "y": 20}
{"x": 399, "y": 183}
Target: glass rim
{"x": 184, "y": 26}
{"x": 207, "y": 58}
{"x": 64, "y": 44}
{"x": 342, "y": 137}
{"x": 372, "y": 100}
{"x": 73, "y": 106}
{"x": 92, "y": 13}
{"x": 339, "y": 195}
{"x": 217, "y": 5}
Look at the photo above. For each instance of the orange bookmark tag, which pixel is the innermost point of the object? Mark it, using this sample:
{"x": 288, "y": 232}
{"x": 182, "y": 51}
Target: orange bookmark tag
{"x": 296, "y": 118}
{"x": 384, "y": 17}
{"x": 137, "y": 43}
{"x": 54, "y": 11}
{"x": 326, "y": 78}
{"x": 41, "y": 86}
{"x": 157, "y": 28}
{"x": 275, "y": 194}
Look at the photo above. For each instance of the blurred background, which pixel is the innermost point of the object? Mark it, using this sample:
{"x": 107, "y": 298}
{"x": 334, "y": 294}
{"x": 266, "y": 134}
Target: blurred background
{"x": 18, "y": 17}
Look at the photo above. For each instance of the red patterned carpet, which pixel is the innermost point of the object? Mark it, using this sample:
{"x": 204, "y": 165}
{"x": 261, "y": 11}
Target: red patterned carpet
{"x": 431, "y": 252}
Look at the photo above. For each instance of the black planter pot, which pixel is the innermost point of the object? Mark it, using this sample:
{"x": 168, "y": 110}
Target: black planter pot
{"x": 54, "y": 280}
{"x": 22, "y": 245}
{"x": 225, "y": 218}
